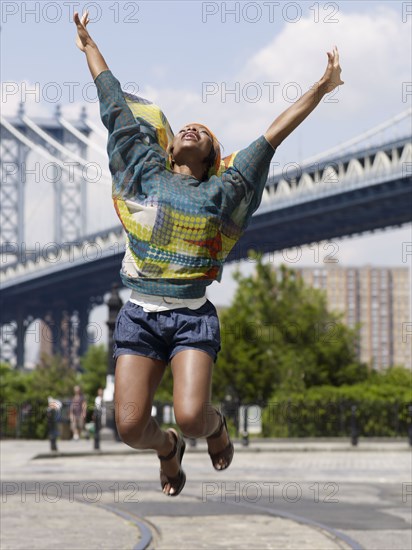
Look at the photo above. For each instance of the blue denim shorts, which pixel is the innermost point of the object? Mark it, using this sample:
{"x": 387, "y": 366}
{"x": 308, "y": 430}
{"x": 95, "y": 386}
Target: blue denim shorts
{"x": 162, "y": 334}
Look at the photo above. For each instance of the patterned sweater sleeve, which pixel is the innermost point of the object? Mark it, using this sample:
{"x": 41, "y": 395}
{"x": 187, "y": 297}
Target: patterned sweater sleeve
{"x": 128, "y": 148}
{"x": 248, "y": 178}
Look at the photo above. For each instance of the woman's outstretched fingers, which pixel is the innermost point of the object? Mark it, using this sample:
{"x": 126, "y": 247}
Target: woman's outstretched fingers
{"x": 337, "y": 64}
{"x": 333, "y": 70}
{"x": 336, "y": 56}
{"x": 84, "y": 21}
{"x": 85, "y": 18}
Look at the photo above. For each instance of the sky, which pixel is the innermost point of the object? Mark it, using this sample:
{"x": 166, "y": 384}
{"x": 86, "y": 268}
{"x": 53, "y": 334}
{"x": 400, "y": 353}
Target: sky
{"x": 234, "y": 66}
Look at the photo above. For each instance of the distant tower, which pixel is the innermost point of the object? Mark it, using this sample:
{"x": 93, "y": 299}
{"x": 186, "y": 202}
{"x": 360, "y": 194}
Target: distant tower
{"x": 13, "y": 157}
{"x": 62, "y": 145}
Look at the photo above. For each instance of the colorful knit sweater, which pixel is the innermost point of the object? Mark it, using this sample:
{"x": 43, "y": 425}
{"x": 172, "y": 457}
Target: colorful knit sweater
{"x": 179, "y": 230}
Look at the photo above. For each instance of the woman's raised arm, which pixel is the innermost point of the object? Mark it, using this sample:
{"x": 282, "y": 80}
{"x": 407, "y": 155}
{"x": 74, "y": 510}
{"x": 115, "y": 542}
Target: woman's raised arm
{"x": 284, "y": 124}
{"x": 127, "y": 140}
{"x": 86, "y": 44}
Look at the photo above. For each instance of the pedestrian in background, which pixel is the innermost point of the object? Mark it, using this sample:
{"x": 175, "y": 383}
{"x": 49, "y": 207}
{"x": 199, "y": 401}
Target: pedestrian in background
{"x": 78, "y": 409}
{"x": 54, "y": 408}
{"x": 100, "y": 407}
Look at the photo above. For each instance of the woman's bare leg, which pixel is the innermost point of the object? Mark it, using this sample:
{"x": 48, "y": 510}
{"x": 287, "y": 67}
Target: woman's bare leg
{"x": 192, "y": 385}
{"x": 136, "y": 380}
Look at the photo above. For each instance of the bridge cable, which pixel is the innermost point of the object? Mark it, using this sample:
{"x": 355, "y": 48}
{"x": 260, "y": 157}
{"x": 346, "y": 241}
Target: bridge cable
{"x": 51, "y": 141}
{"x": 95, "y": 129}
{"x": 338, "y": 148}
{"x": 81, "y": 137}
{"x": 40, "y": 150}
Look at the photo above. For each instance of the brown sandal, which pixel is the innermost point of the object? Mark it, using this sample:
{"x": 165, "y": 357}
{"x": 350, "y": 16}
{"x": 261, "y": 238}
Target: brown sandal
{"x": 176, "y": 482}
{"x": 227, "y": 453}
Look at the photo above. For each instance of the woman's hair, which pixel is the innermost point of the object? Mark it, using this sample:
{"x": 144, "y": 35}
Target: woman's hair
{"x": 214, "y": 157}
{"x": 210, "y": 160}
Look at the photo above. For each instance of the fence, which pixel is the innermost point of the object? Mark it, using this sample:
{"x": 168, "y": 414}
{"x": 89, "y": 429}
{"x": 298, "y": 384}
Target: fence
{"x": 342, "y": 418}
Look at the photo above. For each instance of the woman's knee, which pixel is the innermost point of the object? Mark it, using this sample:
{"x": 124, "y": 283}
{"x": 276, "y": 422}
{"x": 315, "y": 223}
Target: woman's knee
{"x": 192, "y": 422}
{"x": 131, "y": 426}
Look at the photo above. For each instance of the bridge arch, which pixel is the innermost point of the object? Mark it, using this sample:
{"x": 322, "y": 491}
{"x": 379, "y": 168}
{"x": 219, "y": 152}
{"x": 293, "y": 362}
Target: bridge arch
{"x": 305, "y": 183}
{"x": 382, "y": 163}
{"x": 283, "y": 188}
{"x": 329, "y": 176}
{"x": 354, "y": 170}
{"x": 266, "y": 195}
{"x": 406, "y": 155}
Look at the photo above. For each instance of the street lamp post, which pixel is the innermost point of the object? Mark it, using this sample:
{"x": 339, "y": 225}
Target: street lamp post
{"x": 354, "y": 426}
{"x": 115, "y": 304}
{"x": 97, "y": 416}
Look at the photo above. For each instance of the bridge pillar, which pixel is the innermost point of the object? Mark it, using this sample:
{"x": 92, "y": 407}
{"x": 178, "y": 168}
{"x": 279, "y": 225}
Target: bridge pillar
{"x": 64, "y": 329}
{"x": 54, "y": 321}
{"x": 83, "y": 311}
{"x": 59, "y": 322}
{"x": 21, "y": 330}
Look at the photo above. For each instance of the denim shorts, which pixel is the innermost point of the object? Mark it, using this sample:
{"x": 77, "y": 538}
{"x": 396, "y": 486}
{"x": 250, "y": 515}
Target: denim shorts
{"x": 162, "y": 334}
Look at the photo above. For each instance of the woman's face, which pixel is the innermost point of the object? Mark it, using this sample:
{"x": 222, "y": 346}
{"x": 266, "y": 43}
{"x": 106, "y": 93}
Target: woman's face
{"x": 193, "y": 138}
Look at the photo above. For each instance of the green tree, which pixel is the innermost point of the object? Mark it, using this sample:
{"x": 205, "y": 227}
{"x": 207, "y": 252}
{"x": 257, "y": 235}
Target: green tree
{"x": 382, "y": 402}
{"x": 24, "y": 395}
{"x": 52, "y": 376}
{"x": 94, "y": 365}
{"x": 279, "y": 333}
{"x": 13, "y": 384}
{"x": 164, "y": 392}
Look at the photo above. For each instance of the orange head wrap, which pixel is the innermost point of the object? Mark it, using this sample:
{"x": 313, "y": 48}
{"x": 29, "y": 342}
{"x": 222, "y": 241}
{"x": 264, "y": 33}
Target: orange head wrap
{"x": 154, "y": 118}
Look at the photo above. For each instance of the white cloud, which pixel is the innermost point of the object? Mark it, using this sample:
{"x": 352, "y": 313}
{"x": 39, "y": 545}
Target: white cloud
{"x": 373, "y": 48}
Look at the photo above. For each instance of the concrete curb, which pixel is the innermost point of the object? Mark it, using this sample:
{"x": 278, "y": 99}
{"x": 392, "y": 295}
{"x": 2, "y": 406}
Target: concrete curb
{"x": 269, "y": 447}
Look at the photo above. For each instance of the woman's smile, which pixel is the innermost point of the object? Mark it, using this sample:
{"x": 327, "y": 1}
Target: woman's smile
{"x": 190, "y": 135}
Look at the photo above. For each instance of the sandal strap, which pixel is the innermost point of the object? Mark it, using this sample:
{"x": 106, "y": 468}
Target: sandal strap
{"x": 173, "y": 451}
{"x": 178, "y": 481}
{"x": 219, "y": 431}
{"x": 226, "y": 453}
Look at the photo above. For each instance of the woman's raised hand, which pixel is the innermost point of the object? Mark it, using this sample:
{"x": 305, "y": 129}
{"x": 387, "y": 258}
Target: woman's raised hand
{"x": 83, "y": 37}
{"x": 86, "y": 44}
{"x": 332, "y": 74}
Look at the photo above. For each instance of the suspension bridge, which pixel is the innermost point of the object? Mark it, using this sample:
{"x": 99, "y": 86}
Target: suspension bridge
{"x": 360, "y": 185}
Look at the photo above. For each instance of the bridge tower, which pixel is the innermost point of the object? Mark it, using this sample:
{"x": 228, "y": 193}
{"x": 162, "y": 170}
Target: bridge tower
{"x": 13, "y": 159}
{"x": 70, "y": 188}
{"x": 62, "y": 146}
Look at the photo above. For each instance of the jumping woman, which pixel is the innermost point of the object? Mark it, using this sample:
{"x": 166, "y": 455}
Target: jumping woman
{"x": 183, "y": 208}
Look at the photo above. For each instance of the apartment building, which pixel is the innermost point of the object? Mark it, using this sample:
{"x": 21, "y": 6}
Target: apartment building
{"x": 379, "y": 299}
